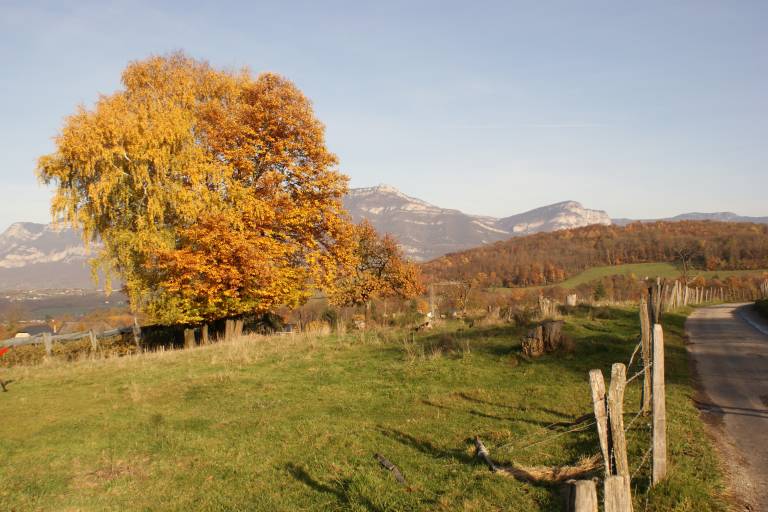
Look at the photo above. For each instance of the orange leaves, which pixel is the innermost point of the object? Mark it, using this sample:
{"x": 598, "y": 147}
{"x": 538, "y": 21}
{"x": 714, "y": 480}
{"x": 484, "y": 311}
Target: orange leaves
{"x": 378, "y": 270}
{"x": 213, "y": 191}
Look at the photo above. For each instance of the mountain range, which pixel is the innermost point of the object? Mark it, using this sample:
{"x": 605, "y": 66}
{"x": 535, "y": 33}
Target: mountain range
{"x": 41, "y": 256}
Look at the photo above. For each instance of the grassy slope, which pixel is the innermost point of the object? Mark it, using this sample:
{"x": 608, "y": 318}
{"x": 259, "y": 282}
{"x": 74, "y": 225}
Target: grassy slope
{"x": 641, "y": 270}
{"x": 293, "y": 424}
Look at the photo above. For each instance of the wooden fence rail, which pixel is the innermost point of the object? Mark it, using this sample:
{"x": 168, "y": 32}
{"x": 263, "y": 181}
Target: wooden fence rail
{"x": 46, "y": 338}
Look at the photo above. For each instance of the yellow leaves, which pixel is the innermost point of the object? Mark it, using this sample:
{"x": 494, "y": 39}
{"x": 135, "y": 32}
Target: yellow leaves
{"x": 213, "y": 192}
{"x": 377, "y": 268}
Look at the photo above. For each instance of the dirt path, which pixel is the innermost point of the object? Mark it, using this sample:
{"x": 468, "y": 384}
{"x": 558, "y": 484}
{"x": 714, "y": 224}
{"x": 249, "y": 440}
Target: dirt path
{"x": 729, "y": 347}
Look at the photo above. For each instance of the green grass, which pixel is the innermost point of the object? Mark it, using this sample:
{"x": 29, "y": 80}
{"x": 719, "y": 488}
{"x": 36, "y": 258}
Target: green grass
{"x": 293, "y": 423}
{"x": 641, "y": 271}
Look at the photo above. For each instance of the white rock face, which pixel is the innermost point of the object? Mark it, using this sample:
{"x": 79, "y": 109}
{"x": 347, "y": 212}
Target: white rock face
{"x": 426, "y": 231}
{"x": 565, "y": 215}
{"x": 38, "y": 256}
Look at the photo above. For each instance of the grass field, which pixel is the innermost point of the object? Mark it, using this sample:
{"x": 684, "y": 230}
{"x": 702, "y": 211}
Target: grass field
{"x": 641, "y": 270}
{"x": 293, "y": 423}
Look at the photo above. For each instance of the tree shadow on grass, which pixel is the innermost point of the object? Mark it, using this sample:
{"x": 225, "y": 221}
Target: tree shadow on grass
{"x": 340, "y": 490}
{"x": 425, "y": 446}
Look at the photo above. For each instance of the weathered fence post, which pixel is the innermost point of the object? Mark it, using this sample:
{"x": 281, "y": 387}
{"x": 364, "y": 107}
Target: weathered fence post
{"x": 238, "y": 328}
{"x": 48, "y": 342}
{"x": 617, "y": 494}
{"x": 645, "y": 341}
{"x": 616, "y": 418}
{"x": 582, "y": 496}
{"x": 228, "y": 329}
{"x": 189, "y": 338}
{"x": 204, "y": 334}
{"x": 94, "y": 341}
{"x": 136, "y": 332}
{"x": 610, "y": 430}
{"x": 659, "y": 407}
{"x": 597, "y": 384}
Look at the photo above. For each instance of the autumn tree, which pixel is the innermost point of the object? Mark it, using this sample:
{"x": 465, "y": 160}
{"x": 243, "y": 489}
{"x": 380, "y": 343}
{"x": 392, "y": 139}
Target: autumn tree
{"x": 379, "y": 270}
{"x": 213, "y": 191}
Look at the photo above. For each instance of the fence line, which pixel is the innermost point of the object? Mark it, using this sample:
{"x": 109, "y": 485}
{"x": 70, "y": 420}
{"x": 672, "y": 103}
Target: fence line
{"x": 40, "y": 339}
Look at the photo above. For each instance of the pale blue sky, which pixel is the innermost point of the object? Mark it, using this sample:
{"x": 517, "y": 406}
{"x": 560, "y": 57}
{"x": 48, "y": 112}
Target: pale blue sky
{"x": 643, "y": 109}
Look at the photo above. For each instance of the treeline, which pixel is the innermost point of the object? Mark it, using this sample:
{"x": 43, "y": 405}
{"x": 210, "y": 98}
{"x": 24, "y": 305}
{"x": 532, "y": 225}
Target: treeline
{"x": 548, "y": 258}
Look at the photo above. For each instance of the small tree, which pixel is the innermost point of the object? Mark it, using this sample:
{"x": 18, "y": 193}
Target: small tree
{"x": 379, "y": 270}
{"x": 599, "y": 293}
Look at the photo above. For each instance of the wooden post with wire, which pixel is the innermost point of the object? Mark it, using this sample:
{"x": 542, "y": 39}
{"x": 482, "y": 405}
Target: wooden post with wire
{"x": 597, "y": 384}
{"x": 645, "y": 341}
{"x": 617, "y": 495}
{"x": 659, "y": 407}
{"x": 609, "y": 417}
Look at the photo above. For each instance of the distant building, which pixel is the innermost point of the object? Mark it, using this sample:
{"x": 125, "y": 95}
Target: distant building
{"x": 33, "y": 330}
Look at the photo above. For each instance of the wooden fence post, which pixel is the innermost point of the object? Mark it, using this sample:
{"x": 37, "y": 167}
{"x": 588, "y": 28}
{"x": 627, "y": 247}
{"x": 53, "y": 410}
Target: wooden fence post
{"x": 47, "y": 341}
{"x": 204, "y": 335}
{"x": 597, "y": 384}
{"x": 582, "y": 496}
{"x": 617, "y": 494}
{"x": 136, "y": 332}
{"x": 645, "y": 341}
{"x": 94, "y": 341}
{"x": 616, "y": 418}
{"x": 659, "y": 407}
{"x": 228, "y": 329}
{"x": 189, "y": 338}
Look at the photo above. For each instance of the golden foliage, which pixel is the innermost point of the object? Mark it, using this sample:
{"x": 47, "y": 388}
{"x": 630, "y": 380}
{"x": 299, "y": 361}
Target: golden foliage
{"x": 379, "y": 270}
{"x": 213, "y": 191}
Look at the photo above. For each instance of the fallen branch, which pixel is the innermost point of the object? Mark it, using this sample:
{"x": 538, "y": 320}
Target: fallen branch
{"x": 555, "y": 474}
{"x": 386, "y": 464}
{"x": 482, "y": 452}
{"x": 4, "y": 383}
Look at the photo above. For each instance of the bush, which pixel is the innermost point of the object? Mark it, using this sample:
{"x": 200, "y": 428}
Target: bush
{"x": 762, "y": 307}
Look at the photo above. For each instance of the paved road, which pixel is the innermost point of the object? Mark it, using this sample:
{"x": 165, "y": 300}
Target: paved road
{"x": 729, "y": 346}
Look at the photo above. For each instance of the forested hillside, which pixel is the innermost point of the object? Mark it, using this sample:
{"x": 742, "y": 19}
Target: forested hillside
{"x": 547, "y": 258}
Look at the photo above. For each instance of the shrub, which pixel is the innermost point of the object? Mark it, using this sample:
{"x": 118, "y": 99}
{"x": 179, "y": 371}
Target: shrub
{"x": 762, "y": 307}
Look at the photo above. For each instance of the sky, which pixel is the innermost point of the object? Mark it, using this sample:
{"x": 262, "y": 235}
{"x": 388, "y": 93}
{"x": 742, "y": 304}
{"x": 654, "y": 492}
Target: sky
{"x": 643, "y": 109}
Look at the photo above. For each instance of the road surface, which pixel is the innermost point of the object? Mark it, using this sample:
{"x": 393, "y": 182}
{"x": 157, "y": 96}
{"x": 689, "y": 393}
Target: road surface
{"x": 729, "y": 348}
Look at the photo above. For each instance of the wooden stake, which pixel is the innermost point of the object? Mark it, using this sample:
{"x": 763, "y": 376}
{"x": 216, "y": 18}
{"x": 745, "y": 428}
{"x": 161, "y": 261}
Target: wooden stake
{"x": 582, "y": 496}
{"x": 645, "y": 340}
{"x": 48, "y": 343}
{"x": 204, "y": 334}
{"x": 189, "y": 338}
{"x": 616, "y": 418}
{"x": 136, "y": 332}
{"x": 617, "y": 494}
{"x": 659, "y": 407}
{"x": 94, "y": 341}
{"x": 597, "y": 384}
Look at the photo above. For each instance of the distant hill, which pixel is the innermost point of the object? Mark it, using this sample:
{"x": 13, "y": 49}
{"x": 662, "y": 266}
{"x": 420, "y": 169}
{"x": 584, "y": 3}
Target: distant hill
{"x": 37, "y": 256}
{"x": 714, "y": 216}
{"x": 426, "y": 231}
{"x": 548, "y": 258}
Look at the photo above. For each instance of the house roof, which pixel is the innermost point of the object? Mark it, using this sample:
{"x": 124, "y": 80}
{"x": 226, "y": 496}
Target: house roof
{"x": 36, "y": 329}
